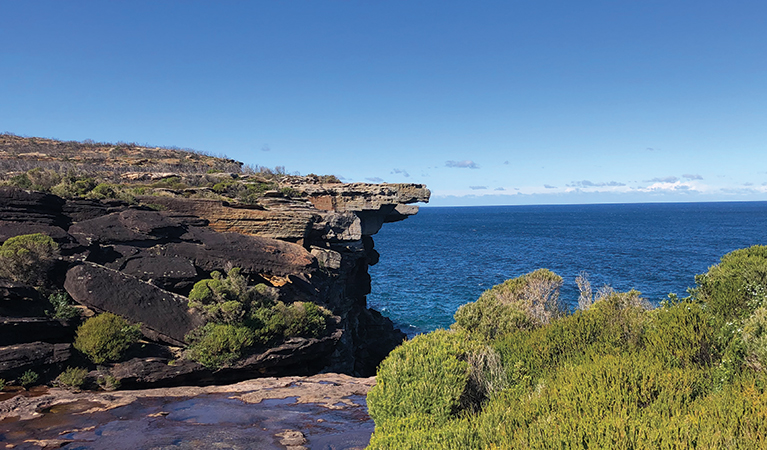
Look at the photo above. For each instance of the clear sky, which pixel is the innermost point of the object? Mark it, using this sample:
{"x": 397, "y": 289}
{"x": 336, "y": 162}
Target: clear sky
{"x": 486, "y": 102}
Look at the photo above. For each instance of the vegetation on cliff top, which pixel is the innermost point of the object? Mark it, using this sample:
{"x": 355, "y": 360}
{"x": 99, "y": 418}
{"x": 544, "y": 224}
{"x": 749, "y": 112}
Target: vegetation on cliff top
{"x": 128, "y": 171}
{"x": 515, "y": 372}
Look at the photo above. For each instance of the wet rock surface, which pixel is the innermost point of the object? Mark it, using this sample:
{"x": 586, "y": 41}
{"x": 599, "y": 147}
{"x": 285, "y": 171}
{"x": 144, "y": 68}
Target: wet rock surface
{"x": 321, "y": 411}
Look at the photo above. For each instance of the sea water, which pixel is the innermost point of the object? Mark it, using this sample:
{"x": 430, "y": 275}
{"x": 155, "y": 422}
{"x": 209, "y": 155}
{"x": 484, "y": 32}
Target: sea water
{"x": 444, "y": 257}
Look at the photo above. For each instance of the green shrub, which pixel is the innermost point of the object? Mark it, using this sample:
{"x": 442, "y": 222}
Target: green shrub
{"x": 28, "y": 378}
{"x": 21, "y": 181}
{"x": 74, "y": 186}
{"x": 108, "y": 382}
{"x": 524, "y": 302}
{"x": 302, "y": 319}
{"x": 106, "y": 337}
{"x": 682, "y": 334}
{"x": 427, "y": 375}
{"x": 72, "y": 377}
{"x": 755, "y": 339}
{"x": 27, "y": 258}
{"x": 2, "y": 384}
{"x": 737, "y": 286}
{"x": 228, "y": 299}
{"x": 62, "y": 309}
{"x": 215, "y": 345}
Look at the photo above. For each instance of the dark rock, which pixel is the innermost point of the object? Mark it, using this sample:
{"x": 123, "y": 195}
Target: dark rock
{"x": 18, "y": 205}
{"x": 131, "y": 226}
{"x": 296, "y": 356}
{"x": 159, "y": 372}
{"x": 79, "y": 210}
{"x": 375, "y": 337}
{"x": 21, "y": 330}
{"x": 20, "y": 300}
{"x": 167, "y": 272}
{"x": 255, "y": 255}
{"x": 164, "y": 315}
{"x": 37, "y": 356}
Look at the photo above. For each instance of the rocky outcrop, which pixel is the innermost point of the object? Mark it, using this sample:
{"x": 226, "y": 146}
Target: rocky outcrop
{"x": 39, "y": 357}
{"x": 141, "y": 263}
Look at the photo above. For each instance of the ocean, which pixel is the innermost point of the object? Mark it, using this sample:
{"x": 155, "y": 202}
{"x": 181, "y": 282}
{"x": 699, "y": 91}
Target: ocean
{"x": 444, "y": 257}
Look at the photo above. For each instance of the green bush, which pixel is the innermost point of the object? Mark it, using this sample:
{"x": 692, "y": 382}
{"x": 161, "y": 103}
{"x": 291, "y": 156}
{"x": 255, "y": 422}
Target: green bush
{"x": 737, "y": 286}
{"x": 27, "y": 258}
{"x": 106, "y": 337}
{"x": 108, "y": 382}
{"x": 216, "y": 345}
{"x": 755, "y": 339}
{"x": 302, "y": 319}
{"x": 28, "y": 378}
{"x": 21, "y": 181}
{"x": 62, "y": 309}
{"x": 2, "y": 384}
{"x": 72, "y": 377}
{"x": 427, "y": 375}
{"x": 228, "y": 299}
{"x": 682, "y": 334}
{"x": 524, "y": 302}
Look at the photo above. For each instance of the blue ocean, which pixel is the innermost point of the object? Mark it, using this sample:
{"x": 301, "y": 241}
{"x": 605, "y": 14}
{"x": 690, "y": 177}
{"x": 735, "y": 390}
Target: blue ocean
{"x": 444, "y": 257}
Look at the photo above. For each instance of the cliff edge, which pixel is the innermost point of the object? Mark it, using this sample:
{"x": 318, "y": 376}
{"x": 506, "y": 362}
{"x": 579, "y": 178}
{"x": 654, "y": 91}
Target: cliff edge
{"x": 137, "y": 228}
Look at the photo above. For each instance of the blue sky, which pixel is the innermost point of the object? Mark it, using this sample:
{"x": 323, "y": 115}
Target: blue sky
{"x": 505, "y": 102}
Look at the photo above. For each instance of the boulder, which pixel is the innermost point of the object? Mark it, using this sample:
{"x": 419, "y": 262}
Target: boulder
{"x": 164, "y": 315}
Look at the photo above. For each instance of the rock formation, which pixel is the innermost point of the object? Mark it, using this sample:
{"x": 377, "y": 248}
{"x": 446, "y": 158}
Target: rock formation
{"x": 140, "y": 262}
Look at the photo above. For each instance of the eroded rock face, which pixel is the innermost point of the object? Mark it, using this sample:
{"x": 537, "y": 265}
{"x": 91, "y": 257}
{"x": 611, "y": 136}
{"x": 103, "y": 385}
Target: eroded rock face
{"x": 140, "y": 264}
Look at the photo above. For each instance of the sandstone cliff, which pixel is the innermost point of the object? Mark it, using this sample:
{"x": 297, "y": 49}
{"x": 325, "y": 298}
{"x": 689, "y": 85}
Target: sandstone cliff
{"x": 139, "y": 254}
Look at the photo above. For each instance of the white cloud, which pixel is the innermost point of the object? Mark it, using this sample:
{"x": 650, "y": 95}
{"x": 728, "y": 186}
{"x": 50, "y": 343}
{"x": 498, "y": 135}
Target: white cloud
{"x": 466, "y": 164}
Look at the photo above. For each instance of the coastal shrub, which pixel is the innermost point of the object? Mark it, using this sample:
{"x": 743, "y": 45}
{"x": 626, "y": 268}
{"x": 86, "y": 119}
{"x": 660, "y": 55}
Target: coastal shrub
{"x": 72, "y": 377}
{"x": 755, "y": 339}
{"x": 737, "y": 286}
{"x": 62, "y": 307}
{"x": 302, "y": 319}
{"x": 27, "y": 258}
{"x": 420, "y": 431}
{"x": 426, "y": 375}
{"x": 524, "y": 302}
{"x": 28, "y": 378}
{"x": 682, "y": 334}
{"x": 227, "y": 299}
{"x": 215, "y": 345}
{"x": 106, "y": 337}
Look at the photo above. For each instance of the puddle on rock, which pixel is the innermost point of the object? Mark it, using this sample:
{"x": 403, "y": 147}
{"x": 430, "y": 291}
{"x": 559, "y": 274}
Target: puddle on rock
{"x": 202, "y": 422}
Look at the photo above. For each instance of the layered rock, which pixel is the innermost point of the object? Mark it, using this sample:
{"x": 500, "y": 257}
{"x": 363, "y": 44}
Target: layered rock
{"x": 141, "y": 263}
